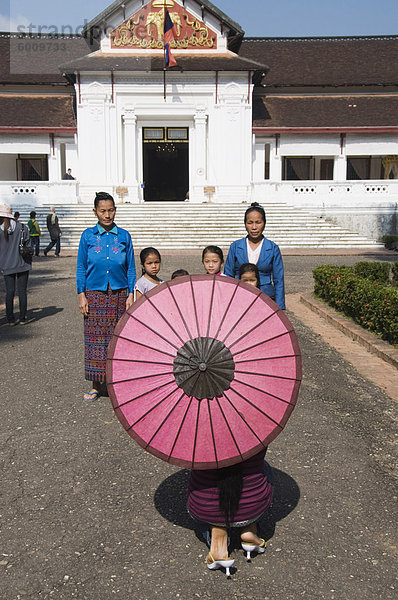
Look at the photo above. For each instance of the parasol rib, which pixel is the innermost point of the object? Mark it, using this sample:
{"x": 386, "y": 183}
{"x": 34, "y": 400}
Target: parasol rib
{"x": 212, "y": 350}
{"x": 180, "y": 427}
{"x": 144, "y": 362}
{"x": 212, "y": 431}
{"x": 264, "y": 392}
{"x": 256, "y": 326}
{"x": 142, "y": 377}
{"x": 211, "y": 305}
{"x": 165, "y": 320}
{"x": 267, "y": 375}
{"x": 263, "y": 342}
{"x": 250, "y": 360}
{"x": 242, "y": 419}
{"x": 179, "y": 311}
{"x": 256, "y": 407}
{"x": 196, "y": 434}
{"x": 226, "y": 312}
{"x": 121, "y": 337}
{"x": 151, "y": 409}
{"x": 144, "y": 394}
{"x": 229, "y": 427}
{"x": 240, "y": 318}
{"x": 152, "y": 330}
{"x": 194, "y": 308}
{"x": 164, "y": 421}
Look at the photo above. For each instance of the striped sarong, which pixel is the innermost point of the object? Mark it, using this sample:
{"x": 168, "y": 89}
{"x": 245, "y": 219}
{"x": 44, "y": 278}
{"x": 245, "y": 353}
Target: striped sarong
{"x": 104, "y": 311}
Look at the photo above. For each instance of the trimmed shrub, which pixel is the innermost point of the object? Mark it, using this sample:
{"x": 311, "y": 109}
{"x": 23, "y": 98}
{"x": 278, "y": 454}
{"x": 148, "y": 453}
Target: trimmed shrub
{"x": 372, "y": 305}
{"x": 390, "y": 241}
{"x": 394, "y": 271}
{"x": 375, "y": 271}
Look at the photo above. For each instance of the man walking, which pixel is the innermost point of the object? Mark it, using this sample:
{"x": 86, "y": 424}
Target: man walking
{"x": 54, "y": 231}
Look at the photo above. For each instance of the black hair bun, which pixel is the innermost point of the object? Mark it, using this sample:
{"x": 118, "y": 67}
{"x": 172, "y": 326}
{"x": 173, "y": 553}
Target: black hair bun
{"x": 255, "y": 207}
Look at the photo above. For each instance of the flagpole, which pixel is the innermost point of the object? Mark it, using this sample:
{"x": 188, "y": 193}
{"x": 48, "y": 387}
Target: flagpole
{"x": 164, "y": 52}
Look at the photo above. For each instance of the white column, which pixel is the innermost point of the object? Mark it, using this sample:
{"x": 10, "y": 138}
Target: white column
{"x": 275, "y": 165}
{"x": 340, "y": 168}
{"x": 53, "y": 160}
{"x": 200, "y": 164}
{"x": 130, "y": 153}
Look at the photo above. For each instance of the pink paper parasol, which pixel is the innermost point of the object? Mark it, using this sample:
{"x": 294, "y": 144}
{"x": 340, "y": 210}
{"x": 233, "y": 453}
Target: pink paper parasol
{"x": 204, "y": 371}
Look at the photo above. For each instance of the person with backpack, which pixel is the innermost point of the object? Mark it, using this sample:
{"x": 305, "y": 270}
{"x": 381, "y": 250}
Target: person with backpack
{"x": 15, "y": 263}
{"x": 34, "y": 232}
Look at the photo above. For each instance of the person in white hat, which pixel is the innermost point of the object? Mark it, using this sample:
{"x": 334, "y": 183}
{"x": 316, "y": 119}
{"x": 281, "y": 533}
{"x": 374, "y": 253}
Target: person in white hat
{"x": 13, "y": 265}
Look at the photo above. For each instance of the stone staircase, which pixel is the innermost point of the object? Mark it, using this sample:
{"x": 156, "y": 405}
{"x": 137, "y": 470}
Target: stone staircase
{"x": 174, "y": 225}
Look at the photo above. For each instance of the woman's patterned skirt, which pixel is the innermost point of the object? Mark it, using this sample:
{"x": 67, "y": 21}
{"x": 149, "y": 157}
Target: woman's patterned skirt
{"x": 104, "y": 311}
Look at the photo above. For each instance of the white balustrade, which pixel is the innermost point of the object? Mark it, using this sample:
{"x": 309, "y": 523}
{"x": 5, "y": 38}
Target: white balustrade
{"x": 37, "y": 193}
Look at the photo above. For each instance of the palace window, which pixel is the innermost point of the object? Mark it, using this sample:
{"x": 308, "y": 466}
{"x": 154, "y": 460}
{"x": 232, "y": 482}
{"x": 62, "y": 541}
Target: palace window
{"x": 326, "y": 169}
{"x": 32, "y": 167}
{"x": 165, "y": 134}
{"x": 307, "y": 168}
{"x": 371, "y": 167}
{"x": 298, "y": 168}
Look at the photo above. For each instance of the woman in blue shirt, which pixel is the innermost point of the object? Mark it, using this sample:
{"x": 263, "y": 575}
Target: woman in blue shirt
{"x": 105, "y": 278}
{"x": 256, "y": 249}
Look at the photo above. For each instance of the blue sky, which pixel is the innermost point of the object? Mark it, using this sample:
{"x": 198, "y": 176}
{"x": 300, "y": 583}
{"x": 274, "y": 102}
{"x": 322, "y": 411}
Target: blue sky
{"x": 257, "y": 17}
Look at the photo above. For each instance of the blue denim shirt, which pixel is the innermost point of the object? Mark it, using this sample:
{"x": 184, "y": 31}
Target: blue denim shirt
{"x": 105, "y": 257}
{"x": 270, "y": 267}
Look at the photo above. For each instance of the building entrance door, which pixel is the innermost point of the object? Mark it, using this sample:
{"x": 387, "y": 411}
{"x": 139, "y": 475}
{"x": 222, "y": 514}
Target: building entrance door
{"x": 166, "y": 160}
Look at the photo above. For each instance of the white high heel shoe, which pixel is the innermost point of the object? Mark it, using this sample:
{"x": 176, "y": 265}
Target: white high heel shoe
{"x": 249, "y": 548}
{"x": 226, "y": 564}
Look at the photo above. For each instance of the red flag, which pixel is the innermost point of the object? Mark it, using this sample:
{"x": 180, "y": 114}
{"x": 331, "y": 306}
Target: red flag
{"x": 169, "y": 36}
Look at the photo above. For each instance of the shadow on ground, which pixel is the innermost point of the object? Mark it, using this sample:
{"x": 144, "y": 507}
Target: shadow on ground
{"x": 171, "y": 502}
{"x": 33, "y": 314}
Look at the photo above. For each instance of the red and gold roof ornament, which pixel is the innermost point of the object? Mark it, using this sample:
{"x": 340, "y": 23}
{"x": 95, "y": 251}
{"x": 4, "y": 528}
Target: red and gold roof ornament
{"x": 145, "y": 28}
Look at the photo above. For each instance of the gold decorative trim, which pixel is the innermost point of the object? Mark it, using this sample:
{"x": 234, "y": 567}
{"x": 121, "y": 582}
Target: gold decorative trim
{"x": 163, "y": 3}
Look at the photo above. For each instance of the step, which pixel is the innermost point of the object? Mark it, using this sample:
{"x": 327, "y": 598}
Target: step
{"x": 184, "y": 225}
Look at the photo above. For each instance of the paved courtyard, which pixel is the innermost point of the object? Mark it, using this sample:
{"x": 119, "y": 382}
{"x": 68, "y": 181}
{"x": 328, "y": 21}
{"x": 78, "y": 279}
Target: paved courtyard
{"x": 87, "y": 514}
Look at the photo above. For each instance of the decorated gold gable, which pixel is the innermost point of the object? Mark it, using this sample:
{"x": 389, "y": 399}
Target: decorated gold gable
{"x": 145, "y": 29}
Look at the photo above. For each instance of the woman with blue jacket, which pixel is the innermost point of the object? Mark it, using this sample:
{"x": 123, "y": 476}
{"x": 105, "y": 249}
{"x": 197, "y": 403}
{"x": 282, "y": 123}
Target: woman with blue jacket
{"x": 257, "y": 249}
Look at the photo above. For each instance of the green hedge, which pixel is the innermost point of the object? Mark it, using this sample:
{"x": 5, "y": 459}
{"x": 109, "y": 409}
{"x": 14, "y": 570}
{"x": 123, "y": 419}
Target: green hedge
{"x": 375, "y": 271}
{"x": 369, "y": 303}
{"x": 394, "y": 272}
{"x": 390, "y": 241}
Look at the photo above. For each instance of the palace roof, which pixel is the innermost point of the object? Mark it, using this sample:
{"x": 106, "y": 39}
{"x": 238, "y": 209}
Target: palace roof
{"x": 329, "y": 111}
{"x": 204, "y": 4}
{"x": 155, "y": 62}
{"x": 367, "y": 67}
{"x": 292, "y": 62}
{"x": 37, "y": 112}
{"x": 328, "y": 61}
{"x": 35, "y": 59}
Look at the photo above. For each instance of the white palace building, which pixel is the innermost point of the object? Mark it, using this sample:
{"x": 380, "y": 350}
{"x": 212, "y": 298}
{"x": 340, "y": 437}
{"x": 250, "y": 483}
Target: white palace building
{"x": 311, "y": 122}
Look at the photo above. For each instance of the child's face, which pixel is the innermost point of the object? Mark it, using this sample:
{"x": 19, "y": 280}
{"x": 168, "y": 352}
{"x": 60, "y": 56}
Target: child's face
{"x": 212, "y": 263}
{"x": 250, "y": 277}
{"x": 152, "y": 265}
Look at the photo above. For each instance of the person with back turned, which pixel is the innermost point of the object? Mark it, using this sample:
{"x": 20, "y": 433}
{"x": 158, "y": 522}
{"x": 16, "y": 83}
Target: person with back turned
{"x": 54, "y": 231}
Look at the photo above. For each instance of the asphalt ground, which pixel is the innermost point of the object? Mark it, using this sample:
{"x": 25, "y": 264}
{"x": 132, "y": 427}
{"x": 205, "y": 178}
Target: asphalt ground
{"x": 87, "y": 514}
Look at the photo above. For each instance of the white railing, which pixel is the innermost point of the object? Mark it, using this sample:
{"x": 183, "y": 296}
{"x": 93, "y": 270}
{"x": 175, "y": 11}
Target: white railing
{"x": 332, "y": 193}
{"x": 310, "y": 194}
{"x": 37, "y": 193}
